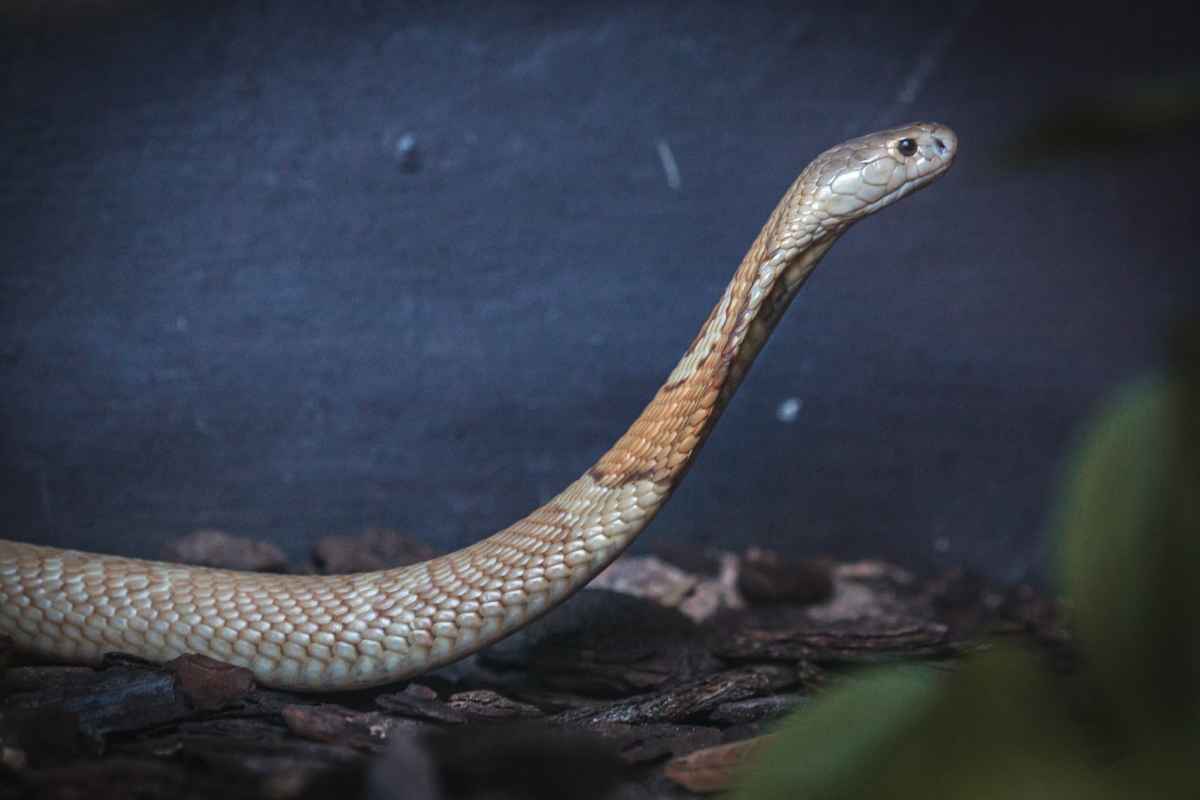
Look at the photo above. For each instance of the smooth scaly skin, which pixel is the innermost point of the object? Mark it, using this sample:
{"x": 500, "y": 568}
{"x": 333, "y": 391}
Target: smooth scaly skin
{"x": 347, "y": 631}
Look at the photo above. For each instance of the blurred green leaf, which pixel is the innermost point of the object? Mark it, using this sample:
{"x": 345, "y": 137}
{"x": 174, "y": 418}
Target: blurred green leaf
{"x": 994, "y": 729}
{"x": 1130, "y": 538}
{"x": 847, "y": 733}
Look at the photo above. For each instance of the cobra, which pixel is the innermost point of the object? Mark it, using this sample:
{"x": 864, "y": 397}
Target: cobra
{"x": 350, "y": 631}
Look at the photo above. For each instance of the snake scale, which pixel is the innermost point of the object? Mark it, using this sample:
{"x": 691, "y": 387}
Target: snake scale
{"x": 349, "y": 631}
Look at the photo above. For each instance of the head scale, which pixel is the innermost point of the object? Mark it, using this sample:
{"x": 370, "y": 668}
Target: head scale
{"x": 860, "y": 176}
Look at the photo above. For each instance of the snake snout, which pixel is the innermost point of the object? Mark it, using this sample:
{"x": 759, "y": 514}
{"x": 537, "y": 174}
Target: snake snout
{"x": 945, "y": 142}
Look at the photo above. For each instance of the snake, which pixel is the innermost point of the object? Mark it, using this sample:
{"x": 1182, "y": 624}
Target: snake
{"x": 335, "y": 632}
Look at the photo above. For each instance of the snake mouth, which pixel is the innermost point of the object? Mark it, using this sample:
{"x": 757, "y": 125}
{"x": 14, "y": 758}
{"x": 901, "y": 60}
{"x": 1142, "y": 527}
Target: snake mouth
{"x": 945, "y": 143}
{"x": 944, "y": 147}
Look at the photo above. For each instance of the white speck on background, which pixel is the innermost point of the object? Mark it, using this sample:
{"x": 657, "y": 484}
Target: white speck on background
{"x": 789, "y": 409}
{"x": 670, "y": 166}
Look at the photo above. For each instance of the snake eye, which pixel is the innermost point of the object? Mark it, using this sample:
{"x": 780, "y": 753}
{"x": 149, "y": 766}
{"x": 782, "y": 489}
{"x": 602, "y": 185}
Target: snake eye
{"x": 907, "y": 147}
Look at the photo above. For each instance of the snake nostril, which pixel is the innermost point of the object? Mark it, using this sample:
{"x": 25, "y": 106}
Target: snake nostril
{"x": 940, "y": 145}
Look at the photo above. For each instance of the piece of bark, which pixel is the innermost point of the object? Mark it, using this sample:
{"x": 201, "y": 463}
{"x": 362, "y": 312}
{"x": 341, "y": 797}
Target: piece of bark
{"x": 418, "y": 704}
{"x": 487, "y": 705}
{"x": 168, "y": 741}
{"x": 756, "y": 709}
{"x": 606, "y": 644}
{"x": 363, "y": 730}
{"x": 421, "y": 691}
{"x": 261, "y": 757}
{"x": 251, "y": 729}
{"x": 212, "y": 548}
{"x": 866, "y": 641}
{"x": 374, "y": 549}
{"x": 209, "y": 684}
{"x": 767, "y": 577}
{"x": 648, "y": 577}
{"x": 713, "y": 769}
{"x": 687, "y": 701}
{"x": 123, "y": 699}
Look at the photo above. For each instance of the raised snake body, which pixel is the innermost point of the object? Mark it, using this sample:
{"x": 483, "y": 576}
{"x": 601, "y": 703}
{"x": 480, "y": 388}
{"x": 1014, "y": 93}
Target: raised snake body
{"x": 347, "y": 631}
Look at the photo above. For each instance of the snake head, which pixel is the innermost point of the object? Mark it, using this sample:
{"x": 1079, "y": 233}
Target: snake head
{"x": 860, "y": 176}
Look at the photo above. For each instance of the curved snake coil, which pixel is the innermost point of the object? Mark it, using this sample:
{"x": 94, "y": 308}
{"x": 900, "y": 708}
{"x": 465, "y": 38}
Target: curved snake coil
{"x": 349, "y": 631}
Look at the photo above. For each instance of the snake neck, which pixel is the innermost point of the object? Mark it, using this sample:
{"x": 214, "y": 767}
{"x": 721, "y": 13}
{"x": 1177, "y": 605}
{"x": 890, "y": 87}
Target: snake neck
{"x": 663, "y": 441}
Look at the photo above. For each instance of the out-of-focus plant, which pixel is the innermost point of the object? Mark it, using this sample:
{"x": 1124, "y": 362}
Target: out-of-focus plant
{"x": 1124, "y": 723}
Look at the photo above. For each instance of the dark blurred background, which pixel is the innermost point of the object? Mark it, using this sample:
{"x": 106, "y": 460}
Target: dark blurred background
{"x": 287, "y": 270}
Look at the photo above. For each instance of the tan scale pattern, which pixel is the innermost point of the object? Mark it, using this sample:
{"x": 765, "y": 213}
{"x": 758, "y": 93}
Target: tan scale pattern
{"x": 347, "y": 631}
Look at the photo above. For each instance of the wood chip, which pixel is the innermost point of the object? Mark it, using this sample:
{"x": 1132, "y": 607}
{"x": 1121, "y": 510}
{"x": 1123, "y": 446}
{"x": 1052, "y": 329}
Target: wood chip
{"x": 714, "y": 768}
{"x": 756, "y": 709}
{"x": 487, "y": 705}
{"x": 209, "y": 684}
{"x": 122, "y": 699}
{"x": 369, "y": 730}
{"x": 697, "y": 596}
{"x": 688, "y": 701}
{"x": 871, "y": 640}
{"x": 420, "y": 705}
{"x": 264, "y": 757}
{"x": 648, "y": 577}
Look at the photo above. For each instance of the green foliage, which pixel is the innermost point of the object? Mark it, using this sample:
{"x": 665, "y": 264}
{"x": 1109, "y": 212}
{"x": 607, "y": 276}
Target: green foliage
{"x": 1002, "y": 725}
{"x": 980, "y": 733}
{"x": 1131, "y": 560}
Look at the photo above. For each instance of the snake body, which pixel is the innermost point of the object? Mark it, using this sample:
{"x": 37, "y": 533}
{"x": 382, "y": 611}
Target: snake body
{"x": 350, "y": 631}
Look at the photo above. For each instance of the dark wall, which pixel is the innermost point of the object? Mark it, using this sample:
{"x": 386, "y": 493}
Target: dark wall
{"x": 233, "y": 296}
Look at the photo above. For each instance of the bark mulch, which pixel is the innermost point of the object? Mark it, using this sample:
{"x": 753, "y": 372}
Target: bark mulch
{"x": 654, "y": 683}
